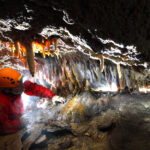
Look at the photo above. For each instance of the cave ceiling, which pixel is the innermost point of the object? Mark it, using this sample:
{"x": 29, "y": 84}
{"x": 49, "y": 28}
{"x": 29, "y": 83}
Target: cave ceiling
{"x": 104, "y": 25}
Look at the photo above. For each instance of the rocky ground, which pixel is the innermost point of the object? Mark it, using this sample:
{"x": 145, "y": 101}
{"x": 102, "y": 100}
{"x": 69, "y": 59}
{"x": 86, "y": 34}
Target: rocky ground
{"x": 87, "y": 121}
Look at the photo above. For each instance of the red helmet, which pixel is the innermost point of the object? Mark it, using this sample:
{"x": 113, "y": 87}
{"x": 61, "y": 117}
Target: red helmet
{"x": 9, "y": 78}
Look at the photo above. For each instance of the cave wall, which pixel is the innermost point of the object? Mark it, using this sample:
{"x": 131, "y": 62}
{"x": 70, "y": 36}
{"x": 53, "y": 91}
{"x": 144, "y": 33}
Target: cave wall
{"x": 124, "y": 22}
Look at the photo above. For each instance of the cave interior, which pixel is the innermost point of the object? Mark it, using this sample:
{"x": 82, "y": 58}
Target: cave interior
{"x": 94, "y": 54}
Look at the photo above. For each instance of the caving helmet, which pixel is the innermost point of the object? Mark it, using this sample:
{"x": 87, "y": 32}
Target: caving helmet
{"x": 9, "y": 78}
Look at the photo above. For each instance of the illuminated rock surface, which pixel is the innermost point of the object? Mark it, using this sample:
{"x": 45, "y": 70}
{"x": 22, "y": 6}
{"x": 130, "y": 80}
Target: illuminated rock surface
{"x": 95, "y": 122}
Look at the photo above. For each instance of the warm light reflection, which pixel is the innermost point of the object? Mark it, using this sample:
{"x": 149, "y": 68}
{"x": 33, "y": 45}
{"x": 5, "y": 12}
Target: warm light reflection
{"x": 38, "y": 47}
{"x": 114, "y": 87}
{"x": 20, "y": 51}
{"x": 12, "y": 46}
{"x": 107, "y": 88}
{"x": 119, "y": 71}
{"x": 144, "y": 89}
{"x": 47, "y": 44}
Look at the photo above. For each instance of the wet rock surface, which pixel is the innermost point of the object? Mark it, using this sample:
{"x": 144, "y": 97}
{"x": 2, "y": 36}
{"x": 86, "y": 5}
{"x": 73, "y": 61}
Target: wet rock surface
{"x": 89, "y": 121}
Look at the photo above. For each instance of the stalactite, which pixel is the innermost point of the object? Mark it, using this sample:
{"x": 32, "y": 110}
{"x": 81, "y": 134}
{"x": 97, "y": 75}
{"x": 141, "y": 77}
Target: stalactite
{"x": 12, "y": 46}
{"x": 16, "y": 50}
{"x": 30, "y": 58}
{"x": 47, "y": 44}
{"x": 119, "y": 71}
{"x": 74, "y": 70}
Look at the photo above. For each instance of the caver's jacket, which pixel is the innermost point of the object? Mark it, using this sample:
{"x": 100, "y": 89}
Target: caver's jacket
{"x": 11, "y": 107}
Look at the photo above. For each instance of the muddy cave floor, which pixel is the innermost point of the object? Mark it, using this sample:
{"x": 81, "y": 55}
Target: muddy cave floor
{"x": 87, "y": 121}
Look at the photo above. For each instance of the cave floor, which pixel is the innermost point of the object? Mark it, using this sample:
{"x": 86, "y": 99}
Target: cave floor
{"x": 88, "y": 121}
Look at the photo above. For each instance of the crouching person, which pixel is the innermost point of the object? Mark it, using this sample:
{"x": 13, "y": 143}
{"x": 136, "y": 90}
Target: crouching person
{"x": 11, "y": 105}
